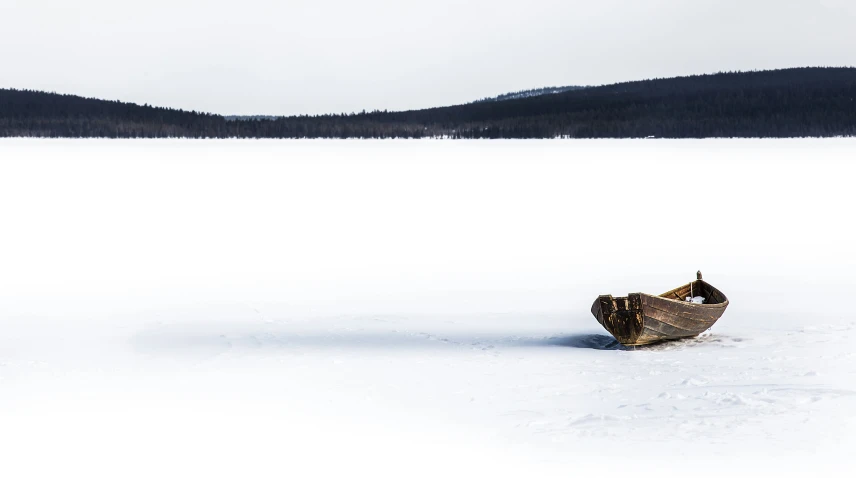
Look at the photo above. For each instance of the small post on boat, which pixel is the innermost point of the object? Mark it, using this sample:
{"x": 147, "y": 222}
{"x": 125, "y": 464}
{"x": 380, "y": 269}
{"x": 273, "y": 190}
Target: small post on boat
{"x": 698, "y": 275}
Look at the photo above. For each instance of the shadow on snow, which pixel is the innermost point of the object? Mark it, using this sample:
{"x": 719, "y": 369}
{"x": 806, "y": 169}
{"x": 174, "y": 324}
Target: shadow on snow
{"x": 203, "y": 341}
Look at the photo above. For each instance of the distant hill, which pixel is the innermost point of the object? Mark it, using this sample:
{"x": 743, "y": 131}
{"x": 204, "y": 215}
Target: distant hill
{"x": 35, "y": 113}
{"x": 779, "y": 103}
{"x": 549, "y": 90}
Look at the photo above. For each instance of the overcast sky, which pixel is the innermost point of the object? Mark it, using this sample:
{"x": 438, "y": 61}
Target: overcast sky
{"x": 315, "y": 56}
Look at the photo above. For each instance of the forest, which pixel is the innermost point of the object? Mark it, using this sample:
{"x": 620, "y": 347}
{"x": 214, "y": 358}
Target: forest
{"x": 798, "y": 102}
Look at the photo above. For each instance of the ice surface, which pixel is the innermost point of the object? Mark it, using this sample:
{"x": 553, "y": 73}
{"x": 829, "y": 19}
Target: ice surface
{"x": 420, "y": 308}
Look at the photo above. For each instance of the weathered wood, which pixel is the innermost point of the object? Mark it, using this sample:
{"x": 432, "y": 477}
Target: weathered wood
{"x": 641, "y": 319}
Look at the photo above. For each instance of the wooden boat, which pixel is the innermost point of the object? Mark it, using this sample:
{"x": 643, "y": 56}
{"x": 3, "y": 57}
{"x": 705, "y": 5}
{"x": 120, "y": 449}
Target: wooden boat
{"x": 641, "y": 319}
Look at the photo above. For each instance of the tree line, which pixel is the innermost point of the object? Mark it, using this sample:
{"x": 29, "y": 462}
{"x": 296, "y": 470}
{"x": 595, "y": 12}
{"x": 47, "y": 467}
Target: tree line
{"x": 779, "y": 103}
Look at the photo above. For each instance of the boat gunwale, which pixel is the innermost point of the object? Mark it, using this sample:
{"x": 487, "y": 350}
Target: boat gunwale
{"x": 692, "y": 304}
{"x": 684, "y": 302}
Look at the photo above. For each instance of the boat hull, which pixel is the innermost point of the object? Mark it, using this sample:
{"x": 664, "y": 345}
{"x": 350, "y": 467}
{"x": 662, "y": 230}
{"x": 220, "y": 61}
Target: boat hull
{"x": 641, "y": 319}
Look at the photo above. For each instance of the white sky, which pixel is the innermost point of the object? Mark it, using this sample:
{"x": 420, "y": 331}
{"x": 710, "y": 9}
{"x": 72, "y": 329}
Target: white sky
{"x": 316, "y": 56}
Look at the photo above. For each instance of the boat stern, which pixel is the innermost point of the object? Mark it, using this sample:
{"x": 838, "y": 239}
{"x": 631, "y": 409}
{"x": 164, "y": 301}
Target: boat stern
{"x": 620, "y": 316}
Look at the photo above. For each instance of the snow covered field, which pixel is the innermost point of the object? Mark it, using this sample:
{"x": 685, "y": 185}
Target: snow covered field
{"x": 421, "y": 308}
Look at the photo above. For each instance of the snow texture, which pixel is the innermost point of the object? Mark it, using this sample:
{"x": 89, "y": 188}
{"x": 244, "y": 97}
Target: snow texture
{"x": 420, "y": 308}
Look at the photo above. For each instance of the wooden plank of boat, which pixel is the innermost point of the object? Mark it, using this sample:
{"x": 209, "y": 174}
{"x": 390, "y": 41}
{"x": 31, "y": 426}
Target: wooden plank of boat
{"x": 641, "y": 319}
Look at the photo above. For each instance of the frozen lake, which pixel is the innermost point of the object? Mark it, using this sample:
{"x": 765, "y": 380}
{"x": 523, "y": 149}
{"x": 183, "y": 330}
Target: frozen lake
{"x": 421, "y": 308}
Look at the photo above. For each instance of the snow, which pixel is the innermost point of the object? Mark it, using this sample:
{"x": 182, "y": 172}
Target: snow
{"x": 420, "y": 308}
